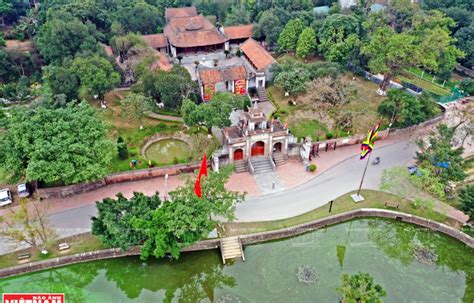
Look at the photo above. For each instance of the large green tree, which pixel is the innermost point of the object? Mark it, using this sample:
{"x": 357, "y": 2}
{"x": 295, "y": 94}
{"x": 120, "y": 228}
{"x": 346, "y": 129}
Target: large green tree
{"x": 338, "y": 36}
{"x": 64, "y": 37}
{"x": 268, "y": 27}
{"x": 465, "y": 42}
{"x": 361, "y": 288}
{"x": 113, "y": 222}
{"x": 96, "y": 75}
{"x": 61, "y": 81}
{"x": 141, "y": 18}
{"x": 238, "y": 15}
{"x": 293, "y": 81}
{"x": 213, "y": 113}
{"x": 306, "y": 43}
{"x": 185, "y": 218}
{"x": 426, "y": 44}
{"x": 439, "y": 152}
{"x": 69, "y": 147}
{"x": 288, "y": 39}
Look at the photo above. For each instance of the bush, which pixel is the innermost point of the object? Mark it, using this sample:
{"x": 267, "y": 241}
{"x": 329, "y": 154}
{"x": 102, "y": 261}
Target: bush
{"x": 312, "y": 167}
{"x": 466, "y": 197}
{"x": 122, "y": 151}
{"x": 467, "y": 85}
{"x": 329, "y": 135}
{"x": 175, "y": 160}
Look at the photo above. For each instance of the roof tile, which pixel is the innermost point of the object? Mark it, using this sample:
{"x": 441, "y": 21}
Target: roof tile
{"x": 257, "y": 55}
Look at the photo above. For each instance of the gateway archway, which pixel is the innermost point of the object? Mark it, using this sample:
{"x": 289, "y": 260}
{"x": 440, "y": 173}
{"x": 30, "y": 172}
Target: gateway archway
{"x": 258, "y": 149}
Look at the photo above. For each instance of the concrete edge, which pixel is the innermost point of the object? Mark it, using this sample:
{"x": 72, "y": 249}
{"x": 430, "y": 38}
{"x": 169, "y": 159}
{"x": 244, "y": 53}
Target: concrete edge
{"x": 246, "y": 239}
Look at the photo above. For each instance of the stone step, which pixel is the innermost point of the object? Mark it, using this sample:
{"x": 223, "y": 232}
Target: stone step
{"x": 231, "y": 248}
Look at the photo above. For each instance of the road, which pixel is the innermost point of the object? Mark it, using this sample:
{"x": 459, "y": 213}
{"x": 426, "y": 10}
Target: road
{"x": 342, "y": 178}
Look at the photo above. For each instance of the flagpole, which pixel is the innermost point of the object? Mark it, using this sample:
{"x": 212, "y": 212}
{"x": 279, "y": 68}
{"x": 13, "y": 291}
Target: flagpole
{"x": 363, "y": 175}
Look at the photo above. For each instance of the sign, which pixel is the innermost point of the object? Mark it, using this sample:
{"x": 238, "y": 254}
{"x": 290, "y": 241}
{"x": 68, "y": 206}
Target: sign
{"x": 239, "y": 87}
{"x": 33, "y": 298}
{"x": 209, "y": 91}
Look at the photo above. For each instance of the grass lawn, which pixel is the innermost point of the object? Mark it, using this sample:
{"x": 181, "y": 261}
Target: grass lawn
{"x": 130, "y": 131}
{"x": 80, "y": 243}
{"x": 449, "y": 84}
{"x": 373, "y": 199}
{"x": 312, "y": 128}
{"x": 424, "y": 84}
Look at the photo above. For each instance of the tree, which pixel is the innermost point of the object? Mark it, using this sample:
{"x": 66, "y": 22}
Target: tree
{"x": 69, "y": 147}
{"x": 136, "y": 106}
{"x": 113, "y": 223}
{"x": 466, "y": 197}
{"x": 427, "y": 45}
{"x": 96, "y": 75}
{"x": 28, "y": 224}
{"x": 61, "y": 81}
{"x": 141, "y": 18}
{"x": 338, "y": 36}
{"x": 122, "y": 150}
{"x": 467, "y": 85}
{"x": 439, "y": 152}
{"x": 238, "y": 15}
{"x": 361, "y": 288}
{"x": 465, "y": 42}
{"x": 293, "y": 81}
{"x": 288, "y": 38}
{"x": 185, "y": 218}
{"x": 121, "y": 45}
{"x": 171, "y": 87}
{"x": 269, "y": 27}
{"x": 61, "y": 38}
{"x": 213, "y": 113}
{"x": 8, "y": 71}
{"x": 306, "y": 43}
{"x": 5, "y": 8}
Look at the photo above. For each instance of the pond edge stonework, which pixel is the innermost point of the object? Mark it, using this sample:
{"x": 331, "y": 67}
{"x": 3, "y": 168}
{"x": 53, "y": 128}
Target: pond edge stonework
{"x": 247, "y": 239}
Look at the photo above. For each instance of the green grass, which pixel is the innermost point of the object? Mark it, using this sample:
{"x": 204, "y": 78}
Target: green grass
{"x": 450, "y": 84}
{"x": 373, "y": 199}
{"x": 312, "y": 128}
{"x": 79, "y": 243}
{"x": 424, "y": 84}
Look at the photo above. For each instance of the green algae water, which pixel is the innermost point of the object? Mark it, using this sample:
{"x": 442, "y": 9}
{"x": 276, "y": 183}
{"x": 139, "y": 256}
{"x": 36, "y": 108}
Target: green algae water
{"x": 166, "y": 150}
{"x": 383, "y": 248}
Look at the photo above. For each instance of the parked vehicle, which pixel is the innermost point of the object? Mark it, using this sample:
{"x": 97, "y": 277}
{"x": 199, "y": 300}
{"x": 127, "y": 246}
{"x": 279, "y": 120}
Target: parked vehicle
{"x": 23, "y": 190}
{"x": 5, "y": 197}
{"x": 413, "y": 169}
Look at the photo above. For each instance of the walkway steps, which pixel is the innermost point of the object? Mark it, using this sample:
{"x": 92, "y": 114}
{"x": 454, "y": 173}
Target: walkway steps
{"x": 279, "y": 159}
{"x": 262, "y": 94}
{"x": 240, "y": 166}
{"x": 261, "y": 164}
{"x": 231, "y": 248}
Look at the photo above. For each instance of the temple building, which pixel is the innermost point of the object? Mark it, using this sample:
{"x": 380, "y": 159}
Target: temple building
{"x": 226, "y": 79}
{"x": 254, "y": 144}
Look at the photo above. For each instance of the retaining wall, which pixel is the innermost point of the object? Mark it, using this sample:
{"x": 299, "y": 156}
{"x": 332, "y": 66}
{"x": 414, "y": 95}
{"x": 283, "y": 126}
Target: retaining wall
{"x": 247, "y": 239}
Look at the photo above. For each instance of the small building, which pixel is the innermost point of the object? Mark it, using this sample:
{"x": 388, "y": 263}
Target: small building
{"x": 157, "y": 41}
{"x": 224, "y": 79}
{"x": 260, "y": 61}
{"x": 254, "y": 137}
{"x": 238, "y": 34}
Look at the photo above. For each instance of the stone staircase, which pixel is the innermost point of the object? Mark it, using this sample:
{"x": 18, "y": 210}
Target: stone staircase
{"x": 240, "y": 166}
{"x": 262, "y": 94}
{"x": 231, "y": 248}
{"x": 261, "y": 164}
{"x": 279, "y": 159}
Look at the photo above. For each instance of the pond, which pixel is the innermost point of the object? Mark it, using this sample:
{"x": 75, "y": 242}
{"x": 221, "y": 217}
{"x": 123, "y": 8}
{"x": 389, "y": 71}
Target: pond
{"x": 167, "y": 151}
{"x": 383, "y": 248}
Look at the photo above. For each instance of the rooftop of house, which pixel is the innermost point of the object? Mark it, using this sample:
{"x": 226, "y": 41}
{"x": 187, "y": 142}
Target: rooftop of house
{"x": 156, "y": 40}
{"x": 180, "y": 12}
{"x": 257, "y": 55}
{"x": 161, "y": 62}
{"x": 192, "y": 32}
{"x": 239, "y": 31}
{"x": 216, "y": 75}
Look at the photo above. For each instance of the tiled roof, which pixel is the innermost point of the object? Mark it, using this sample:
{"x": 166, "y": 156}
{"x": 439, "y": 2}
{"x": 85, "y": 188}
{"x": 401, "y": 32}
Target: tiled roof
{"x": 256, "y": 54}
{"x": 161, "y": 62}
{"x": 239, "y": 31}
{"x": 210, "y": 76}
{"x": 215, "y": 75}
{"x": 180, "y": 12}
{"x": 190, "y": 24}
{"x": 156, "y": 40}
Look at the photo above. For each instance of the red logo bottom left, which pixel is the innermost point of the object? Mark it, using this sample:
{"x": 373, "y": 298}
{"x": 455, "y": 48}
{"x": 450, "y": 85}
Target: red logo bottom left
{"x": 33, "y": 298}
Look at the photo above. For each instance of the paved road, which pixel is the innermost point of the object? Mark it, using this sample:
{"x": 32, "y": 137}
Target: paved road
{"x": 335, "y": 182}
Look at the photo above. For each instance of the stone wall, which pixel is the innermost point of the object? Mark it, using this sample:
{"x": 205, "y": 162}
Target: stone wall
{"x": 248, "y": 239}
{"x": 69, "y": 190}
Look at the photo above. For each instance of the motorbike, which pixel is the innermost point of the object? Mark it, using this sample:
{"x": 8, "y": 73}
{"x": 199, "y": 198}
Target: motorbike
{"x": 376, "y": 161}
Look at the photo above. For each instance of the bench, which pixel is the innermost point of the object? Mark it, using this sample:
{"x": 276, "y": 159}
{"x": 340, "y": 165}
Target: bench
{"x": 392, "y": 205}
{"x": 63, "y": 246}
{"x": 23, "y": 256}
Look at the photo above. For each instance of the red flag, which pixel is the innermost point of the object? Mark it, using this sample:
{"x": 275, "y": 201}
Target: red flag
{"x": 202, "y": 171}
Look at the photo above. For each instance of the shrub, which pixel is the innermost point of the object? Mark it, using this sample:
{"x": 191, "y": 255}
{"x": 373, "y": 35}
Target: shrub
{"x": 312, "y": 167}
{"x": 466, "y": 197}
{"x": 329, "y": 135}
{"x": 175, "y": 160}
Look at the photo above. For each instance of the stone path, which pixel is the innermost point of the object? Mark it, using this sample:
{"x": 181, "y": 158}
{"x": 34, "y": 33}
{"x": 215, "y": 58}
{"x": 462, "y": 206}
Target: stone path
{"x": 269, "y": 182}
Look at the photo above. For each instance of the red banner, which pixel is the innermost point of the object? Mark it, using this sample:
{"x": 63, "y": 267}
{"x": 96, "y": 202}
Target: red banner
{"x": 209, "y": 91}
{"x": 33, "y": 298}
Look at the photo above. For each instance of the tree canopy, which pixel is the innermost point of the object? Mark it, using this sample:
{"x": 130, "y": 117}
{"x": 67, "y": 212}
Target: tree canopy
{"x": 361, "y": 287}
{"x": 288, "y": 38}
{"x": 306, "y": 43}
{"x": 69, "y": 147}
